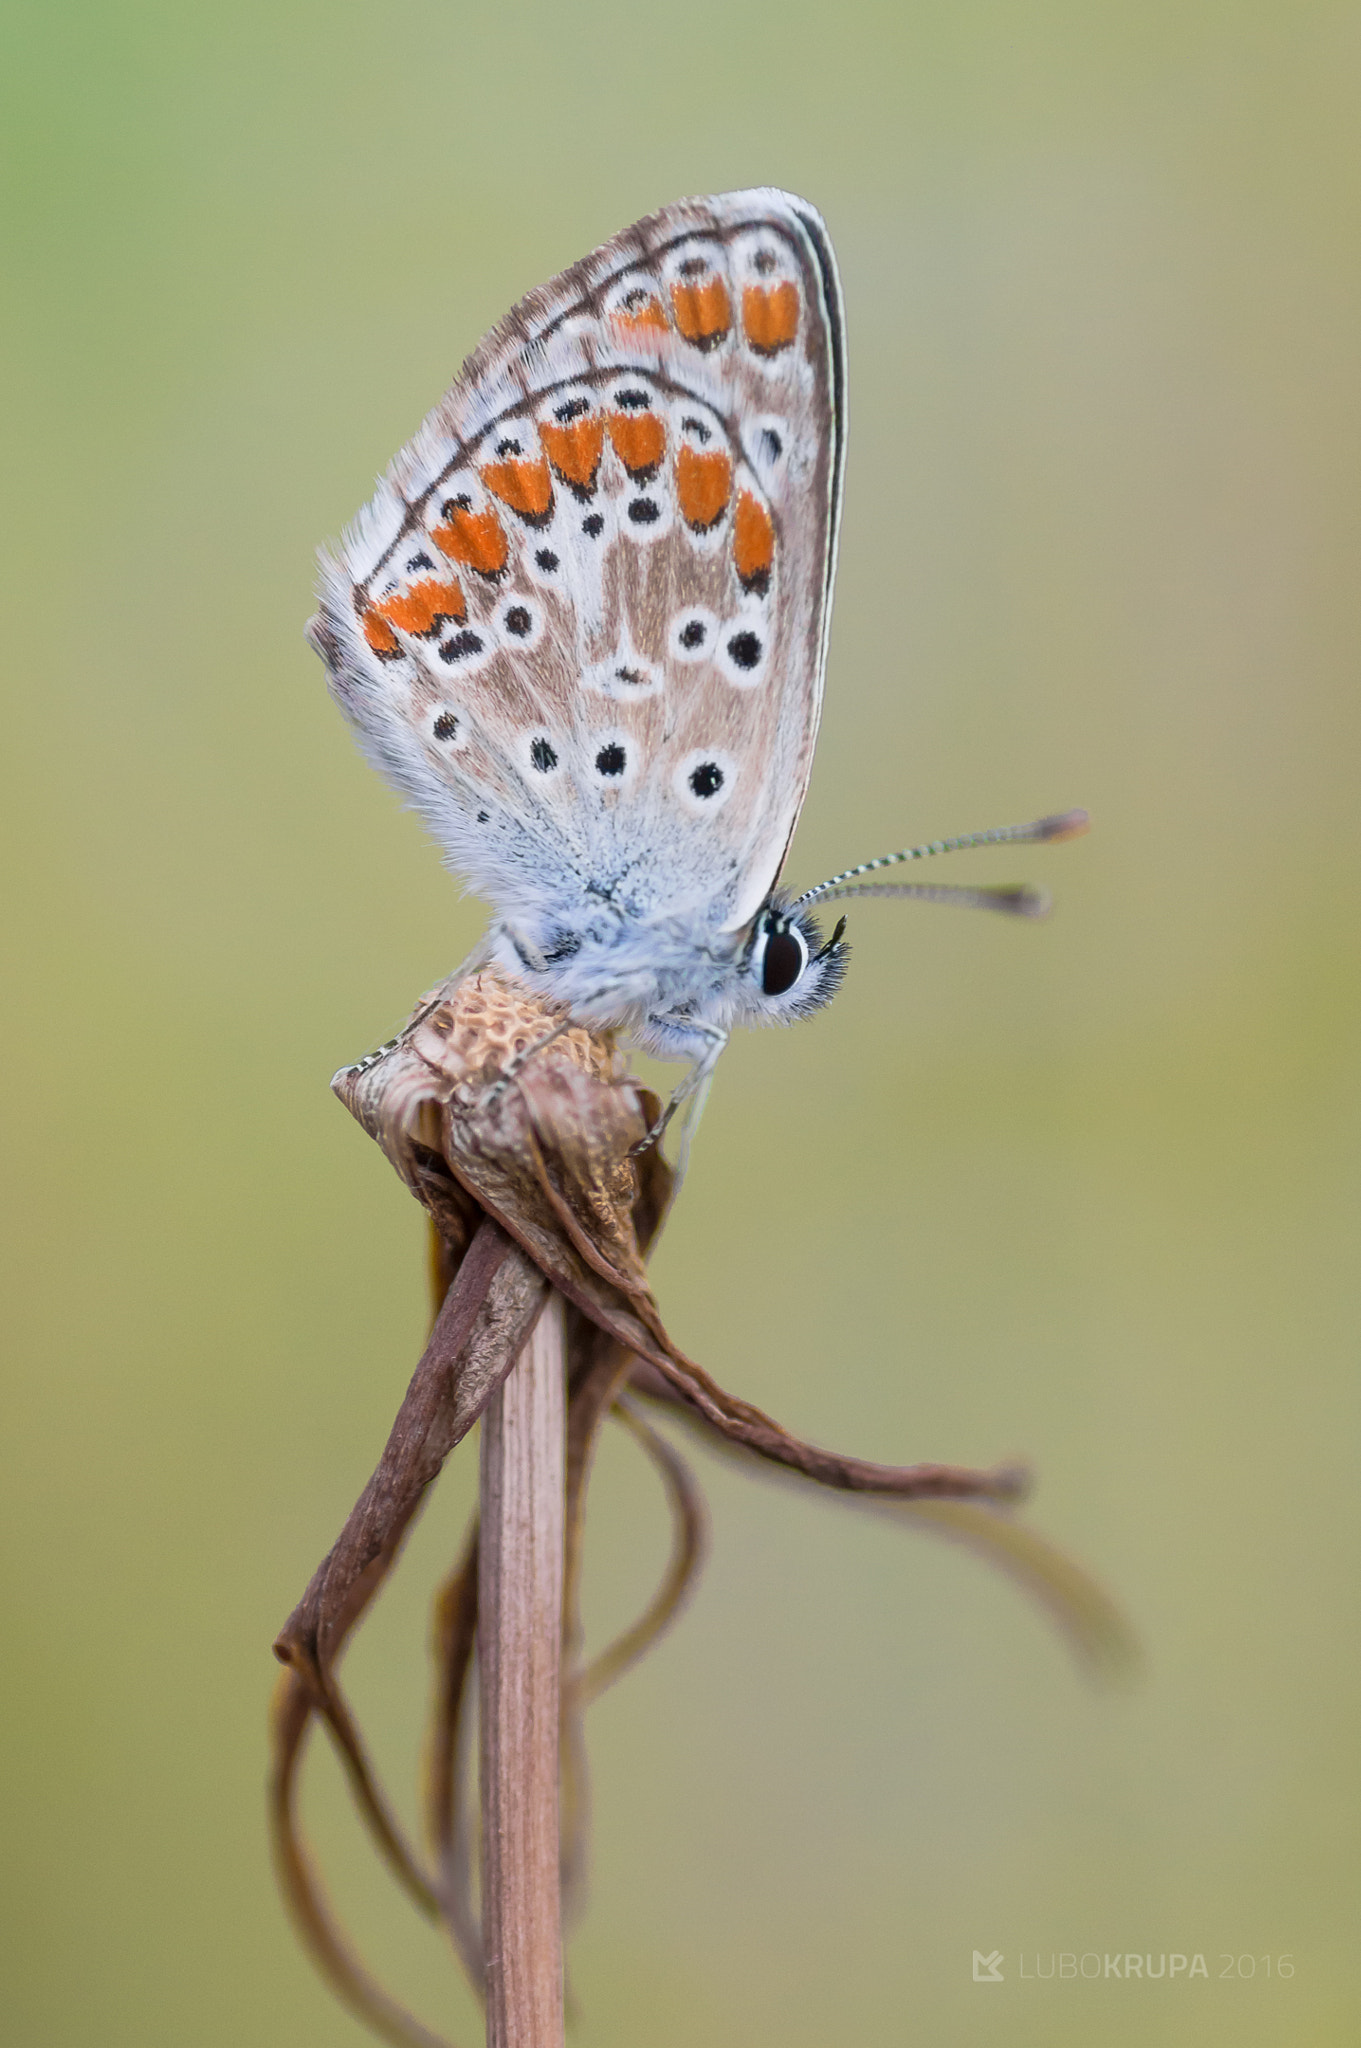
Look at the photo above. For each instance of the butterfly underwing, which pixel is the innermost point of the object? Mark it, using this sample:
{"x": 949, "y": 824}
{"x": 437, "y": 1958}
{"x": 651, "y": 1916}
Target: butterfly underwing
{"x": 582, "y": 625}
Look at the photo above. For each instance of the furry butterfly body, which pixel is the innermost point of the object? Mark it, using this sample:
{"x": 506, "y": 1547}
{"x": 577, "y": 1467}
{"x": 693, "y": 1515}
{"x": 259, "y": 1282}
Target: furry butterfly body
{"x": 582, "y": 626}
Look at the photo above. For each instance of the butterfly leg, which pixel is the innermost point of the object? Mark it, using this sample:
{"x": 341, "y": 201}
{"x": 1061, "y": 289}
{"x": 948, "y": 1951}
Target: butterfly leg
{"x": 693, "y": 1089}
{"x": 518, "y": 1060}
{"x": 380, "y": 1052}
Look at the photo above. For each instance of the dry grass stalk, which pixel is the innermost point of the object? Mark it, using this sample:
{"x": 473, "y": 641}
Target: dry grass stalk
{"x": 518, "y": 1647}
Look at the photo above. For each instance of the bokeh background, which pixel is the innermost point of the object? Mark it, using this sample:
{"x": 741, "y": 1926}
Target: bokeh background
{"x": 1085, "y": 1191}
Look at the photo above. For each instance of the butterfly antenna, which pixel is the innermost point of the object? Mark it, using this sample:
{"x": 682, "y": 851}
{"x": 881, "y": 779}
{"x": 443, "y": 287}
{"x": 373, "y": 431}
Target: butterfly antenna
{"x": 1012, "y": 899}
{"x": 1018, "y": 902}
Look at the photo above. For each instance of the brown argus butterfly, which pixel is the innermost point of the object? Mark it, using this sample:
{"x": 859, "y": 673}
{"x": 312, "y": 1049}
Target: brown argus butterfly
{"x": 582, "y": 626}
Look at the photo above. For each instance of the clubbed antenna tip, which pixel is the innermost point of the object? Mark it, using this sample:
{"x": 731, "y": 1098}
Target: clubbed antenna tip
{"x": 1064, "y": 825}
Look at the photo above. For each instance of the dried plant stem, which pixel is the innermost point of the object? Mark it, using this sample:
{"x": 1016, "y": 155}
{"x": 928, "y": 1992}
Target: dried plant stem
{"x": 519, "y": 1652}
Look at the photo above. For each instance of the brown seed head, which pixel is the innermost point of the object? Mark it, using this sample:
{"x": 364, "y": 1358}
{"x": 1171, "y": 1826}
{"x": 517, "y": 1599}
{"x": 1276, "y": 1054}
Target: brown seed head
{"x": 485, "y": 1021}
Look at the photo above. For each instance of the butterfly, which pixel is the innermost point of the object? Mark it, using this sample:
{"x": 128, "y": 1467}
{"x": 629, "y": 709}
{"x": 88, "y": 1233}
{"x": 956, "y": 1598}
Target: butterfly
{"x": 582, "y": 626}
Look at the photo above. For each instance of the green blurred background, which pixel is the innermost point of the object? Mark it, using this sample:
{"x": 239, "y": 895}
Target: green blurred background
{"x": 1084, "y": 1191}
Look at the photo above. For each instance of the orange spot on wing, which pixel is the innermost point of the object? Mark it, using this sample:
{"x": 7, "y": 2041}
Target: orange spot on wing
{"x": 425, "y": 606}
{"x": 477, "y": 539}
{"x": 639, "y": 441}
{"x": 703, "y": 311}
{"x": 753, "y": 542}
{"x": 376, "y": 631}
{"x": 639, "y": 309}
{"x": 523, "y": 485}
{"x": 770, "y": 316}
{"x": 574, "y": 450}
{"x": 703, "y": 485}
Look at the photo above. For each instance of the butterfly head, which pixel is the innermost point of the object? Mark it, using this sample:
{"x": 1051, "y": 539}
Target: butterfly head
{"x": 789, "y": 970}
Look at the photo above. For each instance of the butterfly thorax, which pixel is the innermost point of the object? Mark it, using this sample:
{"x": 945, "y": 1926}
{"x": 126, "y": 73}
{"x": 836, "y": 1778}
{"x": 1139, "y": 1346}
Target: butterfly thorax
{"x": 668, "y": 983}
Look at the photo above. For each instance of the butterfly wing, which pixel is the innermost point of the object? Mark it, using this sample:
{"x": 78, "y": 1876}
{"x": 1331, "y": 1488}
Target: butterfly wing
{"x": 582, "y": 625}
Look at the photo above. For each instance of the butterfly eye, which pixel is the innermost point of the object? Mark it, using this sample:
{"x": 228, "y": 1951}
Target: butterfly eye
{"x": 784, "y": 957}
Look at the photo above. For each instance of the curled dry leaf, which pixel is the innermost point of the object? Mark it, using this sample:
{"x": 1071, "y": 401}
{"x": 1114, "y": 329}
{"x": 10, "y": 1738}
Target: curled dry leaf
{"x": 548, "y": 1155}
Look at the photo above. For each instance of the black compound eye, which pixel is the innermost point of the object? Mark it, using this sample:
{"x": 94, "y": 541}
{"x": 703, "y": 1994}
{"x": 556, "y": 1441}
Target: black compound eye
{"x": 783, "y": 961}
